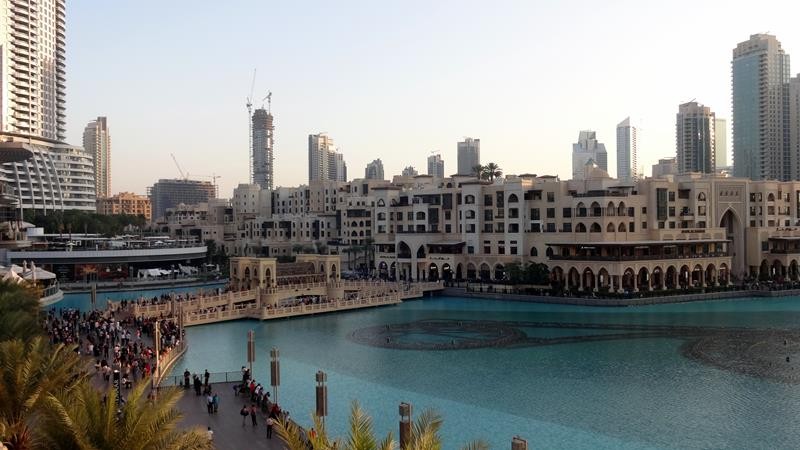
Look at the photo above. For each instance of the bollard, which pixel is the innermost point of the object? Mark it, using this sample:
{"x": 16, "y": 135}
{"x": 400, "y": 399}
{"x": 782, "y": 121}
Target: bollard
{"x": 517, "y": 443}
{"x": 405, "y": 424}
{"x": 322, "y": 395}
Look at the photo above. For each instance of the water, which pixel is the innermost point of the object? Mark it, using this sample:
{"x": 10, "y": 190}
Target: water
{"x": 83, "y": 300}
{"x": 628, "y": 393}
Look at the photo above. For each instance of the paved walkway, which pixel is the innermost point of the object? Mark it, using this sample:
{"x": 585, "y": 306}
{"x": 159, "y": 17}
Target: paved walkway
{"x": 227, "y": 423}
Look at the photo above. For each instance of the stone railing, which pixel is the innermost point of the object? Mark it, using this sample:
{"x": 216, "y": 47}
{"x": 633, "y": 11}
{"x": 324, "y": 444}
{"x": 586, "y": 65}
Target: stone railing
{"x": 167, "y": 359}
{"x": 335, "y": 305}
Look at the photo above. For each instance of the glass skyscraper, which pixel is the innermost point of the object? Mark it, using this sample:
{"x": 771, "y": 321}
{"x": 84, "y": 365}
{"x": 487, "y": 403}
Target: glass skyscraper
{"x": 760, "y": 71}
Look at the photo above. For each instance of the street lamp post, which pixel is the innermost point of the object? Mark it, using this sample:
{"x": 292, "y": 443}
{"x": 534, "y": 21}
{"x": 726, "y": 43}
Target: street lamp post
{"x": 322, "y": 395}
{"x": 275, "y": 371}
{"x": 405, "y": 424}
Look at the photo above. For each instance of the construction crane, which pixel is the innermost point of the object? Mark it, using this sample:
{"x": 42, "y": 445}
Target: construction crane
{"x": 268, "y": 98}
{"x": 183, "y": 176}
{"x": 212, "y": 176}
{"x": 250, "y": 123}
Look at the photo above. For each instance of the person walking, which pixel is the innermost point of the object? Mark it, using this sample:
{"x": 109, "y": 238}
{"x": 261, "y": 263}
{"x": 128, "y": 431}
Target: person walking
{"x": 270, "y": 423}
{"x": 210, "y": 404}
{"x": 216, "y": 402}
{"x": 244, "y": 413}
{"x": 186, "y": 375}
{"x": 253, "y": 414}
{"x": 206, "y": 375}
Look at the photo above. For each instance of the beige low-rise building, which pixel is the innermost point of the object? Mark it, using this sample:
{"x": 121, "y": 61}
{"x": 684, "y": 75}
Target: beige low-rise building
{"x": 125, "y": 203}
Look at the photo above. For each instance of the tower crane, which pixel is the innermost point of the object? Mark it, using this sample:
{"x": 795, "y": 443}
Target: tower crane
{"x": 184, "y": 176}
{"x": 212, "y": 176}
{"x": 250, "y": 123}
{"x": 268, "y": 98}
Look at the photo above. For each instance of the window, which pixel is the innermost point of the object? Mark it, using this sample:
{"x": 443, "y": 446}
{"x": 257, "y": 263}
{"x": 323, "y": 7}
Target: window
{"x": 487, "y": 215}
{"x": 551, "y": 213}
{"x": 447, "y": 215}
{"x": 513, "y": 228}
{"x": 551, "y": 197}
{"x": 566, "y": 213}
{"x": 487, "y": 228}
{"x": 566, "y": 227}
{"x": 631, "y": 227}
{"x": 487, "y": 249}
{"x": 672, "y": 196}
{"x": 644, "y": 209}
{"x": 487, "y": 200}
{"x": 701, "y": 210}
{"x": 500, "y": 227}
{"x": 672, "y": 225}
{"x": 551, "y": 227}
{"x": 513, "y": 213}
{"x": 470, "y": 199}
{"x": 513, "y": 251}
{"x": 535, "y": 214}
{"x": 671, "y": 211}
{"x": 470, "y": 250}
{"x": 448, "y": 228}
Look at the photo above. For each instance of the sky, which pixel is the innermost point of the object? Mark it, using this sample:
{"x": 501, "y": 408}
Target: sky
{"x": 397, "y": 80}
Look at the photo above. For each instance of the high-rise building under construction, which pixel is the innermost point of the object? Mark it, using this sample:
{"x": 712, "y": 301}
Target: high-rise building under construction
{"x": 263, "y": 146}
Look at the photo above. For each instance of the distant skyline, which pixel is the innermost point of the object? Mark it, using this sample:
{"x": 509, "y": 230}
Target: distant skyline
{"x": 393, "y": 81}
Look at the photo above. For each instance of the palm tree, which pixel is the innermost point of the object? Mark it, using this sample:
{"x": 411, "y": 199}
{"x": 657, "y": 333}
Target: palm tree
{"x": 87, "y": 418}
{"x": 424, "y": 434}
{"x": 29, "y": 373}
{"x": 19, "y": 311}
{"x": 478, "y": 171}
{"x": 492, "y": 171}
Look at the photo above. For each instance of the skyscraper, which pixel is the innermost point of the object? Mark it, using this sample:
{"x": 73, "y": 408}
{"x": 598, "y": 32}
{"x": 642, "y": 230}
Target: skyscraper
{"x": 760, "y": 109}
{"x": 436, "y": 165}
{"x": 54, "y": 175}
{"x": 324, "y": 162}
{"x": 587, "y": 148}
{"x": 34, "y": 71}
{"x": 794, "y": 126}
{"x": 97, "y": 142}
{"x": 694, "y": 132}
{"x": 410, "y": 171}
{"x": 374, "y": 170}
{"x": 469, "y": 155}
{"x": 263, "y": 145}
{"x": 626, "y": 151}
{"x": 721, "y": 142}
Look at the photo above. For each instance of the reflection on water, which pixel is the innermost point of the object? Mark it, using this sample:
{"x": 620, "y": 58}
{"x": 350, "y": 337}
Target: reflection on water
{"x": 590, "y": 392}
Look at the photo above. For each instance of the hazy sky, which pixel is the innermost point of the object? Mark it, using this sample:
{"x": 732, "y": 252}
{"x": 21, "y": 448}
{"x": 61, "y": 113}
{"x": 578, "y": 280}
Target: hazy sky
{"x": 397, "y": 80}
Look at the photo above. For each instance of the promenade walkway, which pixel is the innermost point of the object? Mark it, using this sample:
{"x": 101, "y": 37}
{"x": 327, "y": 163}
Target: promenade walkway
{"x": 227, "y": 423}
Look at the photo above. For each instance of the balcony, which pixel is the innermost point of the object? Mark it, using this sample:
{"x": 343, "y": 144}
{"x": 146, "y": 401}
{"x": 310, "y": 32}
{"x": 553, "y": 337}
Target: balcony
{"x": 623, "y": 258}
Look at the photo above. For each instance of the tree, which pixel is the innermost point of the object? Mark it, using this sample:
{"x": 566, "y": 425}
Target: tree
{"x": 537, "y": 273}
{"x": 491, "y": 171}
{"x": 86, "y": 418}
{"x": 29, "y": 373}
{"x": 478, "y": 171}
{"x": 19, "y": 311}
{"x": 516, "y": 274}
{"x": 424, "y": 434}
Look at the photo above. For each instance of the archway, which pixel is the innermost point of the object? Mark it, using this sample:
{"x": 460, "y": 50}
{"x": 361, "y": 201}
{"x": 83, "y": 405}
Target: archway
{"x": 393, "y": 271}
{"x": 610, "y": 228}
{"x": 684, "y": 277}
{"x": 459, "y": 272}
{"x": 383, "y": 270}
{"x": 724, "y": 275}
{"x": 534, "y": 252}
{"x": 604, "y": 279}
{"x": 734, "y": 232}
{"x": 610, "y": 210}
{"x": 447, "y": 272}
{"x": 268, "y": 276}
{"x": 621, "y": 227}
{"x": 557, "y": 277}
{"x": 580, "y": 228}
{"x": 777, "y": 273}
{"x": 793, "y": 270}
{"x": 628, "y": 280}
{"x": 471, "y": 271}
{"x": 573, "y": 279}
{"x": 657, "y": 278}
{"x": 588, "y": 279}
{"x": 670, "y": 280}
{"x": 486, "y": 272}
{"x": 711, "y": 275}
{"x": 334, "y": 275}
{"x": 433, "y": 272}
{"x": 499, "y": 272}
{"x": 643, "y": 279}
{"x": 421, "y": 252}
{"x": 698, "y": 275}
{"x": 763, "y": 271}
{"x": 403, "y": 250}
{"x": 595, "y": 228}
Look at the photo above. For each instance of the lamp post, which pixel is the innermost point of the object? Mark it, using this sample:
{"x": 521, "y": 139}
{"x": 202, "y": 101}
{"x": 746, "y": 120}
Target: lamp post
{"x": 405, "y": 424}
{"x": 322, "y": 395}
{"x": 251, "y": 350}
{"x": 274, "y": 371}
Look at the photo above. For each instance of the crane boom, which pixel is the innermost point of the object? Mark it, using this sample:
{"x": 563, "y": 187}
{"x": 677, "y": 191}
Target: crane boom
{"x": 178, "y": 166}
